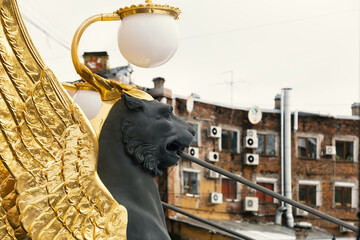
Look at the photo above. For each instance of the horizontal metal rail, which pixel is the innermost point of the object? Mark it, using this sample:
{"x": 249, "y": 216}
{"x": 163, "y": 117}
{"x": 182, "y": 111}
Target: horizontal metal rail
{"x": 215, "y": 225}
{"x": 269, "y": 192}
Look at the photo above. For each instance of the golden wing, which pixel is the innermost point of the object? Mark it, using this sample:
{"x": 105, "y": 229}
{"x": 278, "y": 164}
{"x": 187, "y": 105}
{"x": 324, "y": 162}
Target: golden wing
{"x": 49, "y": 148}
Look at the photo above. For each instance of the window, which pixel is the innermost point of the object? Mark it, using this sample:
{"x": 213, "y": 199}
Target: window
{"x": 344, "y": 150}
{"x": 307, "y": 194}
{"x": 343, "y": 197}
{"x": 229, "y": 188}
{"x": 266, "y": 145}
{"x": 191, "y": 183}
{"x": 195, "y": 140}
{"x": 307, "y": 148}
{"x": 264, "y": 198}
{"x": 229, "y": 140}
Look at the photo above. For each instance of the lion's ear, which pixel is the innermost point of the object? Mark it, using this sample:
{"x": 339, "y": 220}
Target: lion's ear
{"x": 132, "y": 103}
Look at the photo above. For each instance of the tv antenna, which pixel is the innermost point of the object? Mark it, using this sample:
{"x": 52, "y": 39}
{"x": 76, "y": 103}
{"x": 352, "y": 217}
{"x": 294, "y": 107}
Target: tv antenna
{"x": 231, "y": 83}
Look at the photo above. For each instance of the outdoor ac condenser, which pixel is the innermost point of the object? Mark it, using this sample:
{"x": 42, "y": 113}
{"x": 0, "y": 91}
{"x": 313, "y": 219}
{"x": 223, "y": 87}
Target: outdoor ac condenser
{"x": 251, "y": 159}
{"x": 213, "y": 174}
{"x": 251, "y": 142}
{"x": 215, "y": 132}
{"x": 213, "y": 156}
{"x": 251, "y": 133}
{"x": 193, "y": 151}
{"x": 330, "y": 150}
{"x": 251, "y": 204}
{"x": 216, "y": 198}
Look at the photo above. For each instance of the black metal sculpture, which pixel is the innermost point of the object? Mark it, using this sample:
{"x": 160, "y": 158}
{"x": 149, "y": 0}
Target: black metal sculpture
{"x": 138, "y": 141}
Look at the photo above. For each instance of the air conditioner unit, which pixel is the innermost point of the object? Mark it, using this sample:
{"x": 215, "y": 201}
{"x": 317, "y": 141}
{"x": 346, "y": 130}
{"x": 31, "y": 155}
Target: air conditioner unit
{"x": 193, "y": 151}
{"x": 216, "y": 198}
{"x": 213, "y": 174}
{"x": 344, "y": 229}
{"x": 215, "y": 132}
{"x": 251, "y": 133}
{"x": 300, "y": 212}
{"x": 330, "y": 150}
{"x": 251, "y": 159}
{"x": 251, "y": 142}
{"x": 213, "y": 156}
{"x": 251, "y": 204}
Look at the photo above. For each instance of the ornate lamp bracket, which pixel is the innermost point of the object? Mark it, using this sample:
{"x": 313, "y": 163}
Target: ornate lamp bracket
{"x": 107, "y": 89}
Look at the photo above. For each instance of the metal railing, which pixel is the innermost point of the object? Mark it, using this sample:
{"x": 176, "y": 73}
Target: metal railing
{"x": 268, "y": 192}
{"x": 215, "y": 225}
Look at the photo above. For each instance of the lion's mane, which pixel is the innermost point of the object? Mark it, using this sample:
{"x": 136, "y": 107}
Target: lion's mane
{"x": 143, "y": 153}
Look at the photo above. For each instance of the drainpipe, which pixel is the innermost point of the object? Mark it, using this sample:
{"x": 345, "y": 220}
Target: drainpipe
{"x": 287, "y": 154}
{"x": 279, "y": 103}
{"x": 278, "y": 215}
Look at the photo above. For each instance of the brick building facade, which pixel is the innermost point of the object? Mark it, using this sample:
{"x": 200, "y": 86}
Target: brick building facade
{"x": 321, "y": 179}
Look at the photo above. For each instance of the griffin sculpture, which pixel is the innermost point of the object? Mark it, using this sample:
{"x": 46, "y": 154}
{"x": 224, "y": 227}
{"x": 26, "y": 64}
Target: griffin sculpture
{"x": 50, "y": 188}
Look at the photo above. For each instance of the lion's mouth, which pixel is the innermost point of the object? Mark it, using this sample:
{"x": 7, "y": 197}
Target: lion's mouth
{"x": 174, "y": 147}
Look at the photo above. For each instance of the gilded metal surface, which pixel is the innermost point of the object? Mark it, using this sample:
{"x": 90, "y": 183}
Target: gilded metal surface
{"x": 149, "y": 8}
{"x": 49, "y": 148}
{"x": 78, "y": 86}
{"x": 109, "y": 90}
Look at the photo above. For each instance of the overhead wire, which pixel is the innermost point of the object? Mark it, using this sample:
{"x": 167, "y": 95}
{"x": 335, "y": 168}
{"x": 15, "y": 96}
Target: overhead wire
{"x": 268, "y": 24}
{"x": 50, "y": 22}
{"x": 48, "y": 34}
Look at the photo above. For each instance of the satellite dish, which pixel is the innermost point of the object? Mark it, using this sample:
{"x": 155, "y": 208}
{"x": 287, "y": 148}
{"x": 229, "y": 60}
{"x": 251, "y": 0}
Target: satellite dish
{"x": 189, "y": 104}
{"x": 255, "y": 115}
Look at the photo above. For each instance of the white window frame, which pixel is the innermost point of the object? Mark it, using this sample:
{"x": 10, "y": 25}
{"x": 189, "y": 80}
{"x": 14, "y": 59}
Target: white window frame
{"x": 182, "y": 181}
{"x": 271, "y": 180}
{"x": 238, "y": 186}
{"x": 319, "y": 138}
{"x": 354, "y": 196}
{"x": 277, "y": 143}
{"x": 344, "y": 138}
{"x": 198, "y": 132}
{"x": 229, "y": 128}
{"x": 316, "y": 183}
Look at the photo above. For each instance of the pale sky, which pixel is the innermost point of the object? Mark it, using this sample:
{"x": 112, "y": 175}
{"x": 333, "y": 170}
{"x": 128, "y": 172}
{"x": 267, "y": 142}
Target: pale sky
{"x": 311, "y": 46}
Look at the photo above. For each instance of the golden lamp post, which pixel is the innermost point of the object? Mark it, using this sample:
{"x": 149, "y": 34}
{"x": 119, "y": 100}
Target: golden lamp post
{"x": 147, "y": 37}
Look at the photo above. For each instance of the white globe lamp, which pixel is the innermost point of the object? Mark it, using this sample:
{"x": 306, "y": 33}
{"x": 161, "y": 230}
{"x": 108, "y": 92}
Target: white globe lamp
{"x": 152, "y": 44}
{"x": 148, "y": 35}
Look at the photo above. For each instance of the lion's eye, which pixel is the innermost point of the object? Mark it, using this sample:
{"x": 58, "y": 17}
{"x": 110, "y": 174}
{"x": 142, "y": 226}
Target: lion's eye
{"x": 168, "y": 115}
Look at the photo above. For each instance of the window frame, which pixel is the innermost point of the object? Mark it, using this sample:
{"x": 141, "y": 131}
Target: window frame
{"x": 268, "y": 180}
{"x": 307, "y": 147}
{"x": 344, "y": 151}
{"x": 318, "y": 194}
{"x": 347, "y": 138}
{"x": 354, "y": 197}
{"x": 307, "y": 198}
{"x": 237, "y": 194}
{"x": 342, "y": 202}
{"x": 194, "y": 171}
{"x": 265, "y": 144}
{"x": 319, "y": 139}
{"x": 230, "y": 129}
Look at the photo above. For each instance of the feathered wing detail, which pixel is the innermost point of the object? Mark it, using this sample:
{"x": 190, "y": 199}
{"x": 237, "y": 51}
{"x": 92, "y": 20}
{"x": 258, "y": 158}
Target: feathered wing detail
{"x": 49, "y": 148}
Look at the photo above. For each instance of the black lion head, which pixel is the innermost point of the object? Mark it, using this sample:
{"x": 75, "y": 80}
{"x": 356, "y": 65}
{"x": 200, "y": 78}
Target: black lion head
{"x": 153, "y": 135}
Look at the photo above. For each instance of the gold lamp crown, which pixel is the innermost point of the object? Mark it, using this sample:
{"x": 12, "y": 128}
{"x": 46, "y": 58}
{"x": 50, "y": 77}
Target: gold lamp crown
{"x": 149, "y": 7}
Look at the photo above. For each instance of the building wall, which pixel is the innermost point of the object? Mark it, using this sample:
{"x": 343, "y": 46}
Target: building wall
{"x": 324, "y": 171}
